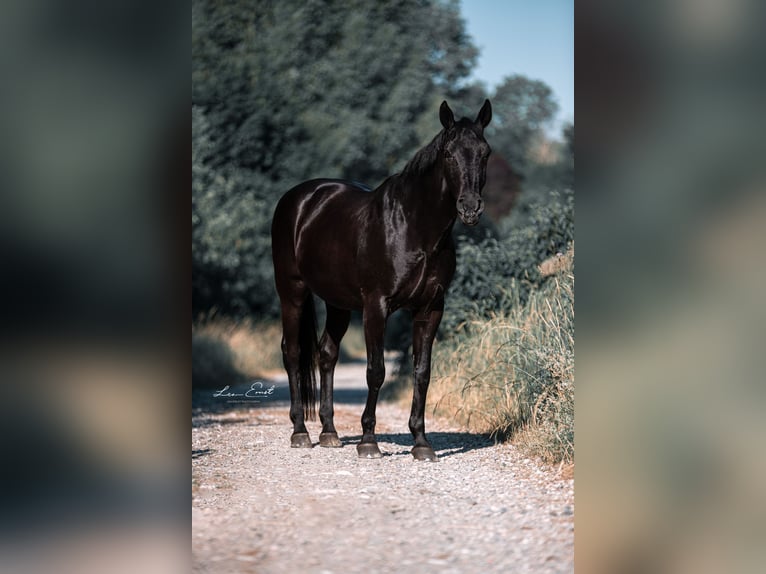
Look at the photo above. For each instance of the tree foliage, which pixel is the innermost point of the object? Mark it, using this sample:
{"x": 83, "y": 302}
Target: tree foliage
{"x": 287, "y": 91}
{"x": 303, "y": 88}
{"x": 524, "y": 108}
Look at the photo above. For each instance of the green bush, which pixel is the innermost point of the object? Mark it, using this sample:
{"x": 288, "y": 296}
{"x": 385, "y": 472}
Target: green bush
{"x": 512, "y": 376}
{"x": 504, "y": 361}
{"x": 497, "y": 275}
{"x": 231, "y": 242}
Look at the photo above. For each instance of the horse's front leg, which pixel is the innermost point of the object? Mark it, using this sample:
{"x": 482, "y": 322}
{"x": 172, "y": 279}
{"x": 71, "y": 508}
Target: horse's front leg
{"x": 424, "y": 329}
{"x": 375, "y": 314}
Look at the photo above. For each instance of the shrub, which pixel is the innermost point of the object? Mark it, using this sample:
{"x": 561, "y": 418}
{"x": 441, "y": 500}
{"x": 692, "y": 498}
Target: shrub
{"x": 231, "y": 247}
{"x": 513, "y": 375}
{"x": 496, "y": 275}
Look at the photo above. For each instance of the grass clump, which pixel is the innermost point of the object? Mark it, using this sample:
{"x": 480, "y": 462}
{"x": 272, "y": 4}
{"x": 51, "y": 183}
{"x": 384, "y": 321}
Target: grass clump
{"x": 226, "y": 351}
{"x": 512, "y": 376}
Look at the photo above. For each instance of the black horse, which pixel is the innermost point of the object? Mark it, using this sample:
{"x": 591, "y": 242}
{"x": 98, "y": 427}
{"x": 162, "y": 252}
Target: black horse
{"x": 375, "y": 251}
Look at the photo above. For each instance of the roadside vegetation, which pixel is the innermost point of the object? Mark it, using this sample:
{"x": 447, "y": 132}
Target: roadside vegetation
{"x": 504, "y": 362}
{"x": 513, "y": 375}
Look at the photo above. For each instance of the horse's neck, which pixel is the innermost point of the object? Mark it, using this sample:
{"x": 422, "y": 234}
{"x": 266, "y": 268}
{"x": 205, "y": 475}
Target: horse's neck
{"x": 427, "y": 207}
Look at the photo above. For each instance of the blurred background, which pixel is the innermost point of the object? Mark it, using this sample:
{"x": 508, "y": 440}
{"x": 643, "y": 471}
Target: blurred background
{"x": 670, "y": 316}
{"x": 93, "y": 381}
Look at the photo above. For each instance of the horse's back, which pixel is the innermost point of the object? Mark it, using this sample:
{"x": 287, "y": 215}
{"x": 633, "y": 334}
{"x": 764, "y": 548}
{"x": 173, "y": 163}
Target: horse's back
{"x": 316, "y": 198}
{"x": 315, "y": 233}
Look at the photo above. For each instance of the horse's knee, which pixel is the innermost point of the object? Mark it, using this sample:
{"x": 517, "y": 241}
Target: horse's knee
{"x": 328, "y": 356}
{"x": 291, "y": 353}
{"x": 375, "y": 374}
{"x": 422, "y": 373}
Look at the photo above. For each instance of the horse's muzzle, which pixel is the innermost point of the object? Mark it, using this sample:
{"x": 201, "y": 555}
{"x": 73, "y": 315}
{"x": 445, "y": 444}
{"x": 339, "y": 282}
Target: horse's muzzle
{"x": 469, "y": 217}
{"x": 470, "y": 210}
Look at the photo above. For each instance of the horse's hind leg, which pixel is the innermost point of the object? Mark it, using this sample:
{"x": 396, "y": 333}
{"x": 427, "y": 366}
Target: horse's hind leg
{"x": 329, "y": 347}
{"x": 291, "y": 320}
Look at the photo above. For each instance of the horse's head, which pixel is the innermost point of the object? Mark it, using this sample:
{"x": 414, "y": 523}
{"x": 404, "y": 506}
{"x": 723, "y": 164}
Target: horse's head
{"x": 465, "y": 153}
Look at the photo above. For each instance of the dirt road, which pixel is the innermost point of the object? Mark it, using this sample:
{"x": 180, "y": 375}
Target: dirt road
{"x": 260, "y": 506}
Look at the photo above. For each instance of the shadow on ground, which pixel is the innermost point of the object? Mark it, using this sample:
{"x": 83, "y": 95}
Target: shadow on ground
{"x": 241, "y": 401}
{"x": 249, "y": 397}
{"x": 200, "y": 452}
{"x": 445, "y": 444}
{"x": 207, "y": 399}
{"x": 245, "y": 396}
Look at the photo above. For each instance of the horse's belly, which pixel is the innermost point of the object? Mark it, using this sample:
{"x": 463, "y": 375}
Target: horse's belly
{"x": 333, "y": 286}
{"x": 342, "y": 300}
{"x": 330, "y": 274}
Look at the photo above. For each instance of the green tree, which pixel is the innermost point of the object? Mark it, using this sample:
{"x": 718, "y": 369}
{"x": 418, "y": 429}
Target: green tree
{"x": 231, "y": 248}
{"x": 286, "y": 91}
{"x": 299, "y": 89}
{"x": 522, "y": 108}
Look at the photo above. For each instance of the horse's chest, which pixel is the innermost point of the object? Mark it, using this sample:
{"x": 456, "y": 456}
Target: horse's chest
{"x": 425, "y": 278}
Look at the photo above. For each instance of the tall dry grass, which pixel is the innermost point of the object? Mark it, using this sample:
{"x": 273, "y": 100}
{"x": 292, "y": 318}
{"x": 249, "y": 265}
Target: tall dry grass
{"x": 513, "y": 376}
{"x": 225, "y": 351}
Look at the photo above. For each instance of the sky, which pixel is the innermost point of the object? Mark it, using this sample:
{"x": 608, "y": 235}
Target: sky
{"x": 534, "y": 38}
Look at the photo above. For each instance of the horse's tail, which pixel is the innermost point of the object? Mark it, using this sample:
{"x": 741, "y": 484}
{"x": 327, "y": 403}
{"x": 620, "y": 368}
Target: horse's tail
{"x": 307, "y": 341}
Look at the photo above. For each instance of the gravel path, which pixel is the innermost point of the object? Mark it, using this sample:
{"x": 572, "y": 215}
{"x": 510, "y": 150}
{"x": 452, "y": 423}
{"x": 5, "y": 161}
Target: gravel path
{"x": 260, "y": 506}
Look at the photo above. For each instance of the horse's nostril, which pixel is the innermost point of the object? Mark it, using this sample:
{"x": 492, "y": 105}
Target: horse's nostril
{"x": 470, "y": 208}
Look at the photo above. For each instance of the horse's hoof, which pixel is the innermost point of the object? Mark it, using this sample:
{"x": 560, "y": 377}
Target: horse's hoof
{"x": 424, "y": 453}
{"x": 301, "y": 440}
{"x": 330, "y": 439}
{"x": 368, "y": 450}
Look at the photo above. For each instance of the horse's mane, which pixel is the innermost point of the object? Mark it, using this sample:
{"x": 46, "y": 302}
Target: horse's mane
{"x": 425, "y": 157}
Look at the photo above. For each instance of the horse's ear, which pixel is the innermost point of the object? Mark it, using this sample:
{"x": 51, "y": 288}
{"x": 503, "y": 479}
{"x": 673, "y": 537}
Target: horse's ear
{"x": 446, "y": 116}
{"x": 485, "y": 114}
